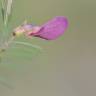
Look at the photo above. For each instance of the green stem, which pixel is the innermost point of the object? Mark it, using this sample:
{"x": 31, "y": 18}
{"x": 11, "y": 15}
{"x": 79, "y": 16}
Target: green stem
{"x": 8, "y": 11}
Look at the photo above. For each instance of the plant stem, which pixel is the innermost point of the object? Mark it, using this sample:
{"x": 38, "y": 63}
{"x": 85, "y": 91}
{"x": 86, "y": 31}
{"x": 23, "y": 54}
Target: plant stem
{"x": 8, "y": 11}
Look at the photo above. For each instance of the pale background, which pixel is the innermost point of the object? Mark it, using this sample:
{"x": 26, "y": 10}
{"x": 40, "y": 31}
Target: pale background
{"x": 67, "y": 66}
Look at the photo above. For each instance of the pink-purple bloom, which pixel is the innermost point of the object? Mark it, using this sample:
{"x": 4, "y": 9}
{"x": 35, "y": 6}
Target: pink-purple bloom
{"x": 51, "y": 30}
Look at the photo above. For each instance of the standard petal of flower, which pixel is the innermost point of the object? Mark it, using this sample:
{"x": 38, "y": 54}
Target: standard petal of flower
{"x": 53, "y": 29}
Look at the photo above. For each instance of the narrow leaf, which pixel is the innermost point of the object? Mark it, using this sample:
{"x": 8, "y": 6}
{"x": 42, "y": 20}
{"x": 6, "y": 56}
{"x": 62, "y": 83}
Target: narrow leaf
{"x": 3, "y": 9}
{"x": 28, "y": 44}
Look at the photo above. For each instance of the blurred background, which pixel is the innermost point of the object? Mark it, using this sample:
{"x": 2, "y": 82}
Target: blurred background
{"x": 66, "y": 66}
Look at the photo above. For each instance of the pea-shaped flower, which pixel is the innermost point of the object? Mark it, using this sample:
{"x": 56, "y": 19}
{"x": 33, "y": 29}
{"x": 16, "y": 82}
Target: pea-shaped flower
{"x": 49, "y": 31}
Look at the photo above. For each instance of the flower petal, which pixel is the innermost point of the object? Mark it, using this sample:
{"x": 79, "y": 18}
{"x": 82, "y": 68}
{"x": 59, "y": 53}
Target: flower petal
{"x": 53, "y": 29}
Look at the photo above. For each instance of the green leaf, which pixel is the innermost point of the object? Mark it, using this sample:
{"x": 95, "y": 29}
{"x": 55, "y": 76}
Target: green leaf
{"x": 28, "y": 44}
{"x": 3, "y": 3}
{"x": 20, "y": 53}
{"x": 2, "y": 12}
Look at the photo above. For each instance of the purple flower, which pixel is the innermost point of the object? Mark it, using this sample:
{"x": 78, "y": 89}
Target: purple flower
{"x": 49, "y": 31}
